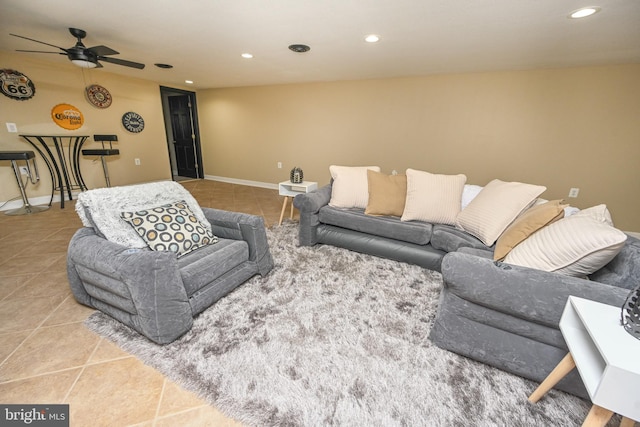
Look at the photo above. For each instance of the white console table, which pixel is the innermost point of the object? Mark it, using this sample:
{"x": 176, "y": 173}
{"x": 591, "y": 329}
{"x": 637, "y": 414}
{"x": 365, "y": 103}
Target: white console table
{"x": 607, "y": 358}
{"x": 290, "y": 190}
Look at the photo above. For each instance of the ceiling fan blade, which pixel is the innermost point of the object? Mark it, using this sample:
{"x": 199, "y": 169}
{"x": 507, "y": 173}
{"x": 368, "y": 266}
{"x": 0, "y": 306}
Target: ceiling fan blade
{"x": 121, "y": 62}
{"x": 103, "y": 50}
{"x": 38, "y": 41}
{"x": 40, "y": 51}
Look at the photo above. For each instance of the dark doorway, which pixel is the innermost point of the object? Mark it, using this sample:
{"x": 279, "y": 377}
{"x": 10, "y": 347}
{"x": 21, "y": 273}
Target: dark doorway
{"x": 183, "y": 138}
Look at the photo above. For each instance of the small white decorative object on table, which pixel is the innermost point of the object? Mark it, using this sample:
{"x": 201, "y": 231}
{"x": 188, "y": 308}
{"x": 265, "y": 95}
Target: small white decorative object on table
{"x": 290, "y": 190}
{"x": 607, "y": 358}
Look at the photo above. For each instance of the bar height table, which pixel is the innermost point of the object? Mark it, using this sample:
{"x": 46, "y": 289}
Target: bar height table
{"x": 62, "y": 157}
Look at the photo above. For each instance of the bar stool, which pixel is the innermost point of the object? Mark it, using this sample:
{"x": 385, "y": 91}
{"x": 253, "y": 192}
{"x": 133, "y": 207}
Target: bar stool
{"x": 103, "y": 152}
{"x": 14, "y": 156}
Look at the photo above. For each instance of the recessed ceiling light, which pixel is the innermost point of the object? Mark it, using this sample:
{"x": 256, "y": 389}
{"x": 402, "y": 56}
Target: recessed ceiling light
{"x": 189, "y": 82}
{"x": 584, "y": 12}
{"x": 372, "y": 38}
{"x": 247, "y": 56}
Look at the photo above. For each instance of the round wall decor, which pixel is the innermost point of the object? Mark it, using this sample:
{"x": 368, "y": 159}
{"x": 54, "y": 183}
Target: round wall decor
{"x": 133, "y": 122}
{"x": 67, "y": 116}
{"x": 98, "y": 96}
{"x": 16, "y": 85}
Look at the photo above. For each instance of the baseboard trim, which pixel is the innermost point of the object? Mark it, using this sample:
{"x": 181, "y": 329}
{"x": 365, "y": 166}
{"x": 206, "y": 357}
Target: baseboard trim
{"x": 35, "y": 201}
{"x": 242, "y": 182}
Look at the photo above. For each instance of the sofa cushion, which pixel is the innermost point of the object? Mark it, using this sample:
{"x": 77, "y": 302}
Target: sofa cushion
{"x": 172, "y": 227}
{"x": 384, "y": 226}
{"x": 201, "y": 267}
{"x": 526, "y": 224}
{"x": 350, "y": 187}
{"x": 449, "y": 239}
{"x": 576, "y": 246}
{"x": 387, "y": 194}
{"x": 495, "y": 207}
{"x": 433, "y": 198}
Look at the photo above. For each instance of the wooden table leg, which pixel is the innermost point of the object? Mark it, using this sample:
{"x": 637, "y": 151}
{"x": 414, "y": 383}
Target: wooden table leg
{"x": 627, "y": 422}
{"x": 291, "y": 216}
{"x": 597, "y": 417}
{"x": 559, "y": 372}
{"x": 284, "y": 206}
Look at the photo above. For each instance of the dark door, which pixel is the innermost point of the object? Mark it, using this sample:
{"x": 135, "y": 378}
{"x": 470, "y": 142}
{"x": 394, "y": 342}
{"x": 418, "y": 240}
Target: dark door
{"x": 183, "y": 135}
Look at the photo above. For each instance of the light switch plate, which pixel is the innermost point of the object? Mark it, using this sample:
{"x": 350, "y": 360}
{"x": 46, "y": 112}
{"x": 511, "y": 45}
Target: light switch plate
{"x": 11, "y": 127}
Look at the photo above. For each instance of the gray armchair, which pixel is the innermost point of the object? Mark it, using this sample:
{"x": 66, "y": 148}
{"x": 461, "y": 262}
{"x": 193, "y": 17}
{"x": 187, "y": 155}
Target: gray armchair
{"x": 157, "y": 293}
{"x": 507, "y": 316}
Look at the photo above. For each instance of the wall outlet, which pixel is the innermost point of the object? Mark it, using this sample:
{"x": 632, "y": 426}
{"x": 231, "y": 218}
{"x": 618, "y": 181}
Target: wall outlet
{"x": 137, "y": 162}
{"x": 24, "y": 170}
{"x": 279, "y": 165}
{"x": 574, "y": 192}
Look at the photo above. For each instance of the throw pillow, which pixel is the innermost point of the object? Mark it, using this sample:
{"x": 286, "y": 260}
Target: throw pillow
{"x": 599, "y": 213}
{"x": 495, "y": 207}
{"x": 172, "y": 227}
{"x": 387, "y": 194}
{"x": 576, "y": 246}
{"x": 469, "y": 193}
{"x": 350, "y": 188}
{"x": 526, "y": 224}
{"x": 433, "y": 198}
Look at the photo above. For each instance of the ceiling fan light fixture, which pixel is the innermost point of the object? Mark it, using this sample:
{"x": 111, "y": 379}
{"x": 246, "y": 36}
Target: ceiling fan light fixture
{"x": 584, "y": 12}
{"x": 299, "y": 48}
{"x": 82, "y": 63}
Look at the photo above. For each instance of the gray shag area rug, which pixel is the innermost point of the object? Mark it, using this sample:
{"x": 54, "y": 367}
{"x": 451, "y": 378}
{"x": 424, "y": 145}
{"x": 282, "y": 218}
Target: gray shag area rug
{"x": 335, "y": 338}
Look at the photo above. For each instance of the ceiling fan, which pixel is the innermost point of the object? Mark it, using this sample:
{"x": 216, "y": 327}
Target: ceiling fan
{"x": 82, "y": 56}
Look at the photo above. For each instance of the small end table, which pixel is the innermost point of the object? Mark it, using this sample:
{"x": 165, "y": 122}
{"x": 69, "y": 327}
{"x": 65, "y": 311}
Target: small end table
{"x": 607, "y": 360}
{"x": 290, "y": 190}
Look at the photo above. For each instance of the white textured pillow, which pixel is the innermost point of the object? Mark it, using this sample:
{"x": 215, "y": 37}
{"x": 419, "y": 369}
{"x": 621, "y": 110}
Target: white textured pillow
{"x": 600, "y": 213}
{"x": 495, "y": 207}
{"x": 350, "y": 187}
{"x": 432, "y": 197}
{"x": 469, "y": 193}
{"x": 576, "y": 246}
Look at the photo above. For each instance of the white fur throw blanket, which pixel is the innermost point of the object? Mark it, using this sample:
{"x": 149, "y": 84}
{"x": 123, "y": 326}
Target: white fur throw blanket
{"x": 101, "y": 208}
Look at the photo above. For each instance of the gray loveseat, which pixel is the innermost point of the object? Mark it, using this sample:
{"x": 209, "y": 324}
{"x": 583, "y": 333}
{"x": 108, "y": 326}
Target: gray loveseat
{"x": 499, "y": 314}
{"x": 156, "y": 293}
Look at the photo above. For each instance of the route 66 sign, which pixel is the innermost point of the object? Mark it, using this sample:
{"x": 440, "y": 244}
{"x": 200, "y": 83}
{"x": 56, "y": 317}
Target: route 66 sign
{"x": 16, "y": 85}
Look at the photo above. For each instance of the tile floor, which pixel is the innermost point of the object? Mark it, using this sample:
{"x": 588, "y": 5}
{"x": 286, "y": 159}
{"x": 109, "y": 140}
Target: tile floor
{"x": 47, "y": 355}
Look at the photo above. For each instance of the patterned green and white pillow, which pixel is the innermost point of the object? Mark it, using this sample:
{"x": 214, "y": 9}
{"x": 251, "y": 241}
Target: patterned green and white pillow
{"x": 171, "y": 227}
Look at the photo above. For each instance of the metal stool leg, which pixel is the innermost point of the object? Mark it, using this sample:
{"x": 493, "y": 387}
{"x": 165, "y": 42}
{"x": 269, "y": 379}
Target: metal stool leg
{"x": 26, "y": 208}
{"x": 106, "y": 171}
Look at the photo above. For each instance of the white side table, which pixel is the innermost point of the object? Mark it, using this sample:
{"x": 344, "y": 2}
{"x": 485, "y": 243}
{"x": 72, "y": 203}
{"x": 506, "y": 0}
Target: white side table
{"x": 290, "y": 190}
{"x": 607, "y": 358}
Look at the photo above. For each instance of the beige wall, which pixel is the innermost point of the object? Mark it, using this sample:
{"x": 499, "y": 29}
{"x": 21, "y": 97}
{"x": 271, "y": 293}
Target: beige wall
{"x": 65, "y": 83}
{"x": 559, "y": 128}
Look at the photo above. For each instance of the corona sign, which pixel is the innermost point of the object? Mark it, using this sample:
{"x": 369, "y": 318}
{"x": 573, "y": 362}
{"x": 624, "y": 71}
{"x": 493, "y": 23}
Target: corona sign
{"x": 67, "y": 116}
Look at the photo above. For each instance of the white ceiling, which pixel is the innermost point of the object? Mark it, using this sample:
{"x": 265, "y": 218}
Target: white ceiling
{"x": 204, "y": 39}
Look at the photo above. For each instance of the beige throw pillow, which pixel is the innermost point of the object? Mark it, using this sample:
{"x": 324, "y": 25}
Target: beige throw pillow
{"x": 387, "y": 194}
{"x": 495, "y": 207}
{"x": 576, "y": 246}
{"x": 432, "y": 197}
{"x": 526, "y": 224}
{"x": 350, "y": 187}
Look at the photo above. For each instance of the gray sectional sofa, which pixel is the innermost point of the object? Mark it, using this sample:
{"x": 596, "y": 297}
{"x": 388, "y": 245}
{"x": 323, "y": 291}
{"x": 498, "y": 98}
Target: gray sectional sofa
{"x": 499, "y": 314}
